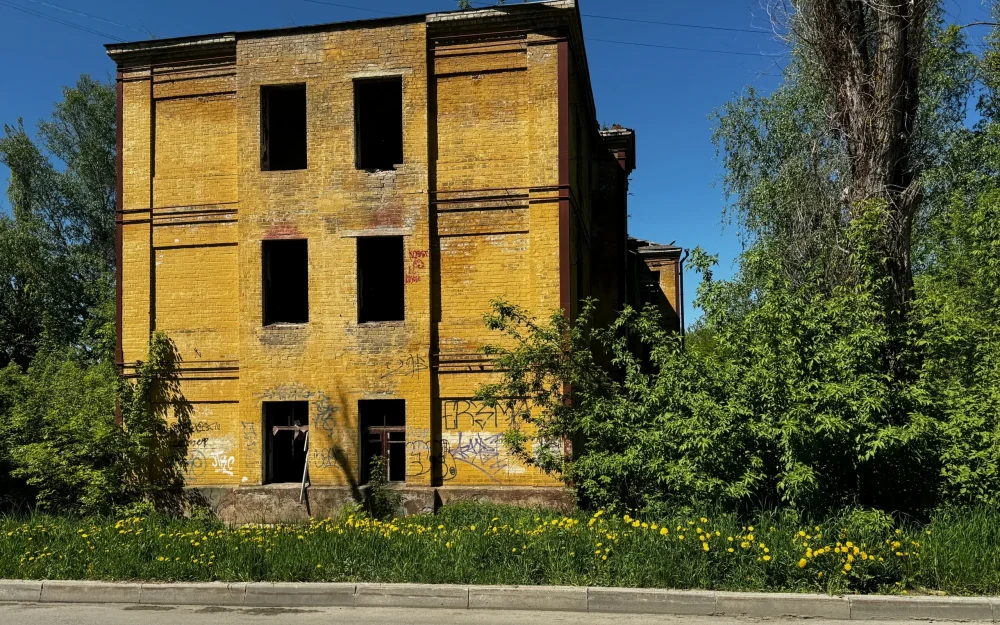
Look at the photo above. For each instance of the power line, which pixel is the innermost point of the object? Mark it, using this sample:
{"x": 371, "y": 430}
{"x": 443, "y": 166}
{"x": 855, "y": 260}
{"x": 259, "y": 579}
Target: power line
{"x": 347, "y": 6}
{"x": 626, "y": 43}
{"x": 659, "y": 23}
{"x": 707, "y": 50}
{"x": 679, "y": 24}
{"x": 60, "y": 21}
{"x": 93, "y": 17}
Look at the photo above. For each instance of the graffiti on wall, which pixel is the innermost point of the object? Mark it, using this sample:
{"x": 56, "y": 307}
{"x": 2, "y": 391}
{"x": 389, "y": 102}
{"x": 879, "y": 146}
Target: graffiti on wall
{"x": 211, "y": 456}
{"x": 417, "y": 263}
{"x": 457, "y": 414}
{"x": 458, "y": 452}
{"x": 325, "y": 414}
{"x": 408, "y": 366}
{"x": 287, "y": 392}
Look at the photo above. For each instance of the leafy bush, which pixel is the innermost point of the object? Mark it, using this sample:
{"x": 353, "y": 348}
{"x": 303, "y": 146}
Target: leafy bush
{"x": 60, "y": 427}
{"x": 382, "y": 501}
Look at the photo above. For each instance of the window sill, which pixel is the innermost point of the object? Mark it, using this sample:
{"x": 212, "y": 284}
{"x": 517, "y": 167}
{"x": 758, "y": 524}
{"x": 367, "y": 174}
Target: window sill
{"x": 285, "y": 325}
{"x": 381, "y": 324}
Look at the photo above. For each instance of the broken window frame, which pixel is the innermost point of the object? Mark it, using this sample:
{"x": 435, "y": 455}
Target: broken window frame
{"x": 384, "y": 436}
{"x": 649, "y": 289}
{"x": 265, "y": 126}
{"x": 365, "y": 162}
{"x": 295, "y": 473}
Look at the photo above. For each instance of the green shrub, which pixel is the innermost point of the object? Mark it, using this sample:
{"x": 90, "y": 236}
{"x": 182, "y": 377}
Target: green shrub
{"x": 382, "y": 501}
{"x": 60, "y": 427}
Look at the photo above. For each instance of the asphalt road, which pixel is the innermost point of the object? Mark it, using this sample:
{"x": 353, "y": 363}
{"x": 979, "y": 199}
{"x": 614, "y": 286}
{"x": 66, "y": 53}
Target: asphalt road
{"x": 91, "y": 614}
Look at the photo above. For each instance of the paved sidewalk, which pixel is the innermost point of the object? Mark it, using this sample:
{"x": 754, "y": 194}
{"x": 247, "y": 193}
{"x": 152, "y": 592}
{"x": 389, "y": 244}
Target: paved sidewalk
{"x": 66, "y": 614}
{"x": 610, "y": 601}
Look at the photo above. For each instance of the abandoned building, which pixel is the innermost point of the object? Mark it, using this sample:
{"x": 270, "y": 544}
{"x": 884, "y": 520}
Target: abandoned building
{"x": 319, "y": 216}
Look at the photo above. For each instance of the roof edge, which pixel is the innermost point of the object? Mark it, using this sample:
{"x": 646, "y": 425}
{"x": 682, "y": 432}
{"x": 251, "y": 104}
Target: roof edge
{"x": 174, "y": 46}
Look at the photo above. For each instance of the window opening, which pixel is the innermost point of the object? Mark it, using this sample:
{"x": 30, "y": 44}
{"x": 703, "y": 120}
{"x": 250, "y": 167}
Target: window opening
{"x": 380, "y": 279}
{"x": 283, "y": 127}
{"x": 285, "y": 451}
{"x": 383, "y": 433}
{"x": 649, "y": 290}
{"x": 378, "y": 123}
{"x": 286, "y": 281}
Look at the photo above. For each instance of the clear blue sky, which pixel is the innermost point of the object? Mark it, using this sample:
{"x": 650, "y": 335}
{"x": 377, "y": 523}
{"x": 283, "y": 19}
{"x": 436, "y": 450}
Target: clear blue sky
{"x": 666, "y": 95}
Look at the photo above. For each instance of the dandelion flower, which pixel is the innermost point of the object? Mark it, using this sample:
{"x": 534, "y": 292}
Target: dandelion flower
{"x": 802, "y": 563}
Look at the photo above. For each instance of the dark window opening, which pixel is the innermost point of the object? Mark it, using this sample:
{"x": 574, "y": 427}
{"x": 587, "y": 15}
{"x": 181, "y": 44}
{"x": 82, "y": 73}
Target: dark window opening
{"x": 285, "y": 445}
{"x": 378, "y": 123}
{"x": 380, "y": 279}
{"x": 649, "y": 289}
{"x": 383, "y": 433}
{"x": 286, "y": 281}
{"x": 283, "y": 127}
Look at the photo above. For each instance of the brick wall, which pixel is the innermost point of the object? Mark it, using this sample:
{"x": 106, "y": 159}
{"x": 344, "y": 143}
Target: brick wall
{"x": 476, "y": 201}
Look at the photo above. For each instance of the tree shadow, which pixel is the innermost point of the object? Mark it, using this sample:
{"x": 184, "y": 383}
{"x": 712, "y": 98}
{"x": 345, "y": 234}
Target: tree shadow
{"x": 156, "y": 421}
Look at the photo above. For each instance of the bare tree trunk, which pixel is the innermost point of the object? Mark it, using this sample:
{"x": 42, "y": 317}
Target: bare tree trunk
{"x": 868, "y": 55}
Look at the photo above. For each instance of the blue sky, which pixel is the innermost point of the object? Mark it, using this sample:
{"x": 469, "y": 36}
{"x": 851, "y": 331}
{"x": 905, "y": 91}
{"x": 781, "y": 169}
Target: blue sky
{"x": 666, "y": 95}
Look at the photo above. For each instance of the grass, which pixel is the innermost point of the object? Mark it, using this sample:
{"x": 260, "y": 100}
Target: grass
{"x": 957, "y": 552}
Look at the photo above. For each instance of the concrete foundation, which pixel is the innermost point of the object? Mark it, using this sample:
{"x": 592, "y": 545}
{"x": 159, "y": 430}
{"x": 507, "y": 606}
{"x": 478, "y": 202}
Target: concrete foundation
{"x": 280, "y": 503}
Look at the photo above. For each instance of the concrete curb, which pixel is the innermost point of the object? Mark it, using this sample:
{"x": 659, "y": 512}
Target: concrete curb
{"x": 563, "y": 599}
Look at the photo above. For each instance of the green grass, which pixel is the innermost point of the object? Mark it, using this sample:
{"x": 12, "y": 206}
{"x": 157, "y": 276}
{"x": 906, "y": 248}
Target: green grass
{"x": 957, "y": 552}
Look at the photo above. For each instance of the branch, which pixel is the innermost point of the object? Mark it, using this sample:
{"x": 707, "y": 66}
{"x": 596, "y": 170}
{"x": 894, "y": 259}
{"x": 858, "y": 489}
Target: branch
{"x": 980, "y": 24}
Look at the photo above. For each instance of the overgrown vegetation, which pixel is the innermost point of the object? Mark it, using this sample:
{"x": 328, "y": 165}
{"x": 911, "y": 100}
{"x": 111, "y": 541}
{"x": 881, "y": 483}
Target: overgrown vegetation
{"x": 61, "y": 448}
{"x": 853, "y": 552}
{"x": 815, "y": 378}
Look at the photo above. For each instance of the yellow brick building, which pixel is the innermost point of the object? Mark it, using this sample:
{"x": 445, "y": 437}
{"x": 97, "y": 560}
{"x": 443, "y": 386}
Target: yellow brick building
{"x": 319, "y": 216}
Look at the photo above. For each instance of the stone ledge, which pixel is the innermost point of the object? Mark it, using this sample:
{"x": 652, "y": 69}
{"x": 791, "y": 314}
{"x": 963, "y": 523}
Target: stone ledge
{"x": 533, "y": 598}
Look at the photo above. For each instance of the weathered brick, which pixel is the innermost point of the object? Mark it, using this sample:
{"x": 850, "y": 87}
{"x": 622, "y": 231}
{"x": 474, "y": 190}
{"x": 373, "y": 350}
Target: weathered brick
{"x": 477, "y": 201}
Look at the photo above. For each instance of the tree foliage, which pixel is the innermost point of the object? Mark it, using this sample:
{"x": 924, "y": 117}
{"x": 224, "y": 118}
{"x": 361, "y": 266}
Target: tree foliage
{"x": 809, "y": 380}
{"x": 61, "y": 447}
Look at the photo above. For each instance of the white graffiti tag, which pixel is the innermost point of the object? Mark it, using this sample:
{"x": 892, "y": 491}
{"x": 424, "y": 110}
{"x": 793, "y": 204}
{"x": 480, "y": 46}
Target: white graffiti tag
{"x": 222, "y": 462}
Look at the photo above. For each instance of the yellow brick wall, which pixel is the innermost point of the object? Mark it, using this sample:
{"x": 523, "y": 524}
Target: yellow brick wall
{"x": 475, "y": 201}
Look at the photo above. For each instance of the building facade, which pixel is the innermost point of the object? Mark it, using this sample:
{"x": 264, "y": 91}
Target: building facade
{"x": 319, "y": 217}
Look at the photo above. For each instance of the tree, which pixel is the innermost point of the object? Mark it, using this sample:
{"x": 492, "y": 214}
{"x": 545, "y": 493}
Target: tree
{"x": 868, "y": 56}
{"x": 57, "y": 259}
{"x": 57, "y": 249}
{"x": 810, "y": 383}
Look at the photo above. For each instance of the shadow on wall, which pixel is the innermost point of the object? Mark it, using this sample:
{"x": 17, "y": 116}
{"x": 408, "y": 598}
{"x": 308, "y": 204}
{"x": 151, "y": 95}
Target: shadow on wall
{"x": 156, "y": 419}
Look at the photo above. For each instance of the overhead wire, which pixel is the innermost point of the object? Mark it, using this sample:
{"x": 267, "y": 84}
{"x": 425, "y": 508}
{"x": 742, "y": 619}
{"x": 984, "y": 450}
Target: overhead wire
{"x": 46, "y": 16}
{"x": 347, "y": 6}
{"x": 93, "y": 17}
{"x": 706, "y": 50}
{"x": 679, "y": 24}
{"x": 613, "y": 41}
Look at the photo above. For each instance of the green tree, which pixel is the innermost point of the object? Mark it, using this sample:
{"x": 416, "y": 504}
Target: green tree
{"x": 57, "y": 245}
{"x": 806, "y": 383}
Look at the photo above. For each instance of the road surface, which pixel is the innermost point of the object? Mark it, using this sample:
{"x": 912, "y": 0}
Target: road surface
{"x": 94, "y": 614}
